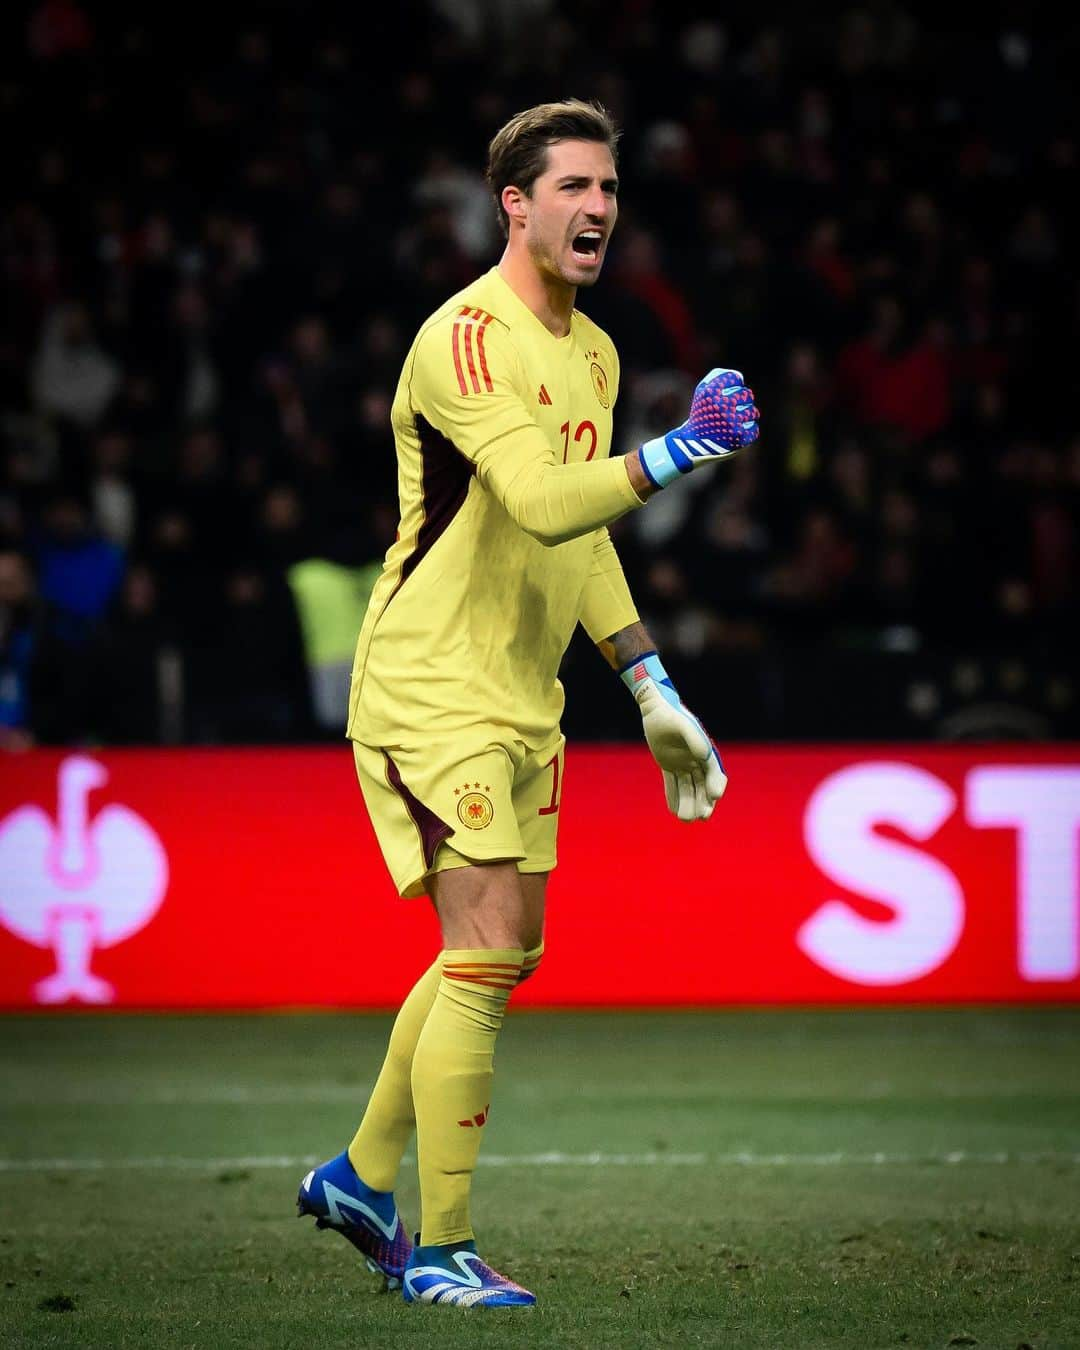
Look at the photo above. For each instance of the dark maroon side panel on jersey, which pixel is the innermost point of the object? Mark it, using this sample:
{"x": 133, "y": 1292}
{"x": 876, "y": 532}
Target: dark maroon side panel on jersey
{"x": 445, "y": 484}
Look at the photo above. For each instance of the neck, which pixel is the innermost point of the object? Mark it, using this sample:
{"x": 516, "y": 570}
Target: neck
{"x": 551, "y": 300}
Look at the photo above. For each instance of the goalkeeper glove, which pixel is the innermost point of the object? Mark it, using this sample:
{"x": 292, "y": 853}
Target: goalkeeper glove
{"x": 723, "y": 418}
{"x": 694, "y": 778}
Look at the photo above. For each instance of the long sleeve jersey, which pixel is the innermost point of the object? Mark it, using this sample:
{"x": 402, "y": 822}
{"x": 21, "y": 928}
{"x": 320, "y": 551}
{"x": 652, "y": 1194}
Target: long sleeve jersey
{"x": 503, "y": 438}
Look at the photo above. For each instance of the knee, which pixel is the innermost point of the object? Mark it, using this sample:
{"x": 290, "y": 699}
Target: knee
{"x": 533, "y": 957}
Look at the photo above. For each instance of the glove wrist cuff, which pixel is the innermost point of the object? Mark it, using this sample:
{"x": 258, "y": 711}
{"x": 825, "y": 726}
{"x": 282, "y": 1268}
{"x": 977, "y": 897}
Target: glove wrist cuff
{"x": 647, "y": 667}
{"x": 659, "y": 463}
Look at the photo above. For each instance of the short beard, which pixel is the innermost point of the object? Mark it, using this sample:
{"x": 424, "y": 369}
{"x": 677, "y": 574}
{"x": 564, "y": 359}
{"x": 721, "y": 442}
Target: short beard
{"x": 546, "y": 265}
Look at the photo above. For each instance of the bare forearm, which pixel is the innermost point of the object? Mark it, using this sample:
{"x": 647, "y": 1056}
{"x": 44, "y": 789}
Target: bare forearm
{"x": 640, "y": 481}
{"x": 625, "y": 646}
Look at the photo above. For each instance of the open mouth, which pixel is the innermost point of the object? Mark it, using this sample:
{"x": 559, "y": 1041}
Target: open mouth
{"x": 586, "y": 245}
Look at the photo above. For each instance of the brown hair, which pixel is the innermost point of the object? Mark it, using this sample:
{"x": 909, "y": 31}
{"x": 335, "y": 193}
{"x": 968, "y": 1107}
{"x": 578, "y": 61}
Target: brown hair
{"x": 517, "y": 154}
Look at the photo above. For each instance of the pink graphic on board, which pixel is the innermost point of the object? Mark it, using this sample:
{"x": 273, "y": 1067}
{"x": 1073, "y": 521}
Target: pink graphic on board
{"x": 76, "y": 884}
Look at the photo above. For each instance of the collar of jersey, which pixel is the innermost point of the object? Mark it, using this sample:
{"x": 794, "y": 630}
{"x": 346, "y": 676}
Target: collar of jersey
{"x": 521, "y": 307}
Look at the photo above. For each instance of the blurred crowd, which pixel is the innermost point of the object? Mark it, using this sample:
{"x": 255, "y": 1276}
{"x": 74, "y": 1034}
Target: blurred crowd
{"x": 219, "y": 239}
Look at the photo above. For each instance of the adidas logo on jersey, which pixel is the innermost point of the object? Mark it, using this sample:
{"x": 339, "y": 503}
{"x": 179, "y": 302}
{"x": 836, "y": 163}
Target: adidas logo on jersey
{"x": 545, "y": 397}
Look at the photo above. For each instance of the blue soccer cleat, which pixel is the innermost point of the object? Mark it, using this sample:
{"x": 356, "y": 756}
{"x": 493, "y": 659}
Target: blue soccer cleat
{"x": 455, "y": 1274}
{"x": 339, "y": 1200}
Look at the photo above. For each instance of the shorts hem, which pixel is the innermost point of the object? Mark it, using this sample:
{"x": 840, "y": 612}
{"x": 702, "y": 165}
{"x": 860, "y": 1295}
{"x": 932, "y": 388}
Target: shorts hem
{"x": 418, "y": 884}
{"x": 530, "y": 865}
{"x": 481, "y": 854}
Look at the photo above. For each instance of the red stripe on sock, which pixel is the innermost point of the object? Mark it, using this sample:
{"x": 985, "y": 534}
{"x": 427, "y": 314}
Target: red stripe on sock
{"x": 481, "y": 965}
{"x": 492, "y": 981}
{"x": 482, "y": 975}
{"x": 487, "y": 984}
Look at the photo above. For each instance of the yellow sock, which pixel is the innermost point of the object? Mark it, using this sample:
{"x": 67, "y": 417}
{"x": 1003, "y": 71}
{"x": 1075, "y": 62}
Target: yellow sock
{"x": 389, "y": 1119}
{"x": 532, "y": 959}
{"x": 388, "y": 1122}
{"x": 451, "y": 1083}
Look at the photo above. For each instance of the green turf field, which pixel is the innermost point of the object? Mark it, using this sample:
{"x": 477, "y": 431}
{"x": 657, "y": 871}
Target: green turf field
{"x": 748, "y": 1179}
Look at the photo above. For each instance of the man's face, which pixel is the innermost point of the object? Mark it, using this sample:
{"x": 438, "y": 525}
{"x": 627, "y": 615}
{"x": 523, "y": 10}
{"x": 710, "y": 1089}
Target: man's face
{"x": 571, "y": 211}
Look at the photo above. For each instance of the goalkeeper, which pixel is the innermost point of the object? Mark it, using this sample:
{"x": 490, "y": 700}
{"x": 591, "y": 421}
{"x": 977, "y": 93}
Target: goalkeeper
{"x": 502, "y": 422}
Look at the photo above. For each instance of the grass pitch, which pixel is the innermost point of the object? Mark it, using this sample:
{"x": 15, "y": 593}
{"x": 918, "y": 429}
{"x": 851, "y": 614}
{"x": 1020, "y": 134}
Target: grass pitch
{"x": 737, "y": 1179}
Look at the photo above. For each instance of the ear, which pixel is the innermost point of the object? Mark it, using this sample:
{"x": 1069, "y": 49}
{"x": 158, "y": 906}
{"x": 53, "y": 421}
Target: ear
{"x": 514, "y": 203}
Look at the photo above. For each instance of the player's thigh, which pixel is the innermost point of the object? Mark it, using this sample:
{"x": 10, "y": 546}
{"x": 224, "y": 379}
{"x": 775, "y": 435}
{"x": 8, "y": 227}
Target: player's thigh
{"x": 492, "y": 905}
{"x": 480, "y": 906}
{"x": 537, "y": 792}
{"x": 421, "y": 799}
{"x": 534, "y": 901}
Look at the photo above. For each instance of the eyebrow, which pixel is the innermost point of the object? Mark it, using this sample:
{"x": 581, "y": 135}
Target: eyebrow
{"x": 585, "y": 178}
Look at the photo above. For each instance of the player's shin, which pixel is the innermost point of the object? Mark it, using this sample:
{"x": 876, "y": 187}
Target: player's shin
{"x": 378, "y": 1145}
{"x": 451, "y": 1082}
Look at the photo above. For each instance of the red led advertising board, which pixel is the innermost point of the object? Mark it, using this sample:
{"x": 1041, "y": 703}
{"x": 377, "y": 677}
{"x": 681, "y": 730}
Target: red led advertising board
{"x": 828, "y": 875}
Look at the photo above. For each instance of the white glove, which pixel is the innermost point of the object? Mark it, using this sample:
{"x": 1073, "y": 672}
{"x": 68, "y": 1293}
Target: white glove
{"x": 694, "y": 778}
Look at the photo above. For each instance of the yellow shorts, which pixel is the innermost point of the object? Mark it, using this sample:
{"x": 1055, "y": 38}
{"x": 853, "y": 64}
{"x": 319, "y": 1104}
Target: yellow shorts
{"x": 441, "y": 806}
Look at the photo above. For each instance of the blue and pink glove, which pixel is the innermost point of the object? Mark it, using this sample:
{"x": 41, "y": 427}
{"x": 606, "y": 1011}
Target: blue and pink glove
{"x": 723, "y": 418}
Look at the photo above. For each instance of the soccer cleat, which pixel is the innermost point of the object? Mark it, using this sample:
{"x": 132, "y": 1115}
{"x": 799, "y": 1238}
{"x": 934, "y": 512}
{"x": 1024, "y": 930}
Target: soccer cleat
{"x": 455, "y": 1274}
{"x": 339, "y": 1200}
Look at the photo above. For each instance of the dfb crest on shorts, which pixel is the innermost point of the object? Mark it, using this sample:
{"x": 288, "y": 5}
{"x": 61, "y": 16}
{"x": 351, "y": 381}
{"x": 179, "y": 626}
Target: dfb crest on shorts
{"x": 475, "y": 811}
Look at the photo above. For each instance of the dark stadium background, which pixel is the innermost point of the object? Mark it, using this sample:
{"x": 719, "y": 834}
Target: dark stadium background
{"x": 220, "y": 227}
{"x": 219, "y": 237}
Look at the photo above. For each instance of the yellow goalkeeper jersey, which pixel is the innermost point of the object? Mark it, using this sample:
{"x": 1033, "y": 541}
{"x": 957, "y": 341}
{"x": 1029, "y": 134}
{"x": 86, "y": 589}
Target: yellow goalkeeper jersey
{"x": 503, "y": 437}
